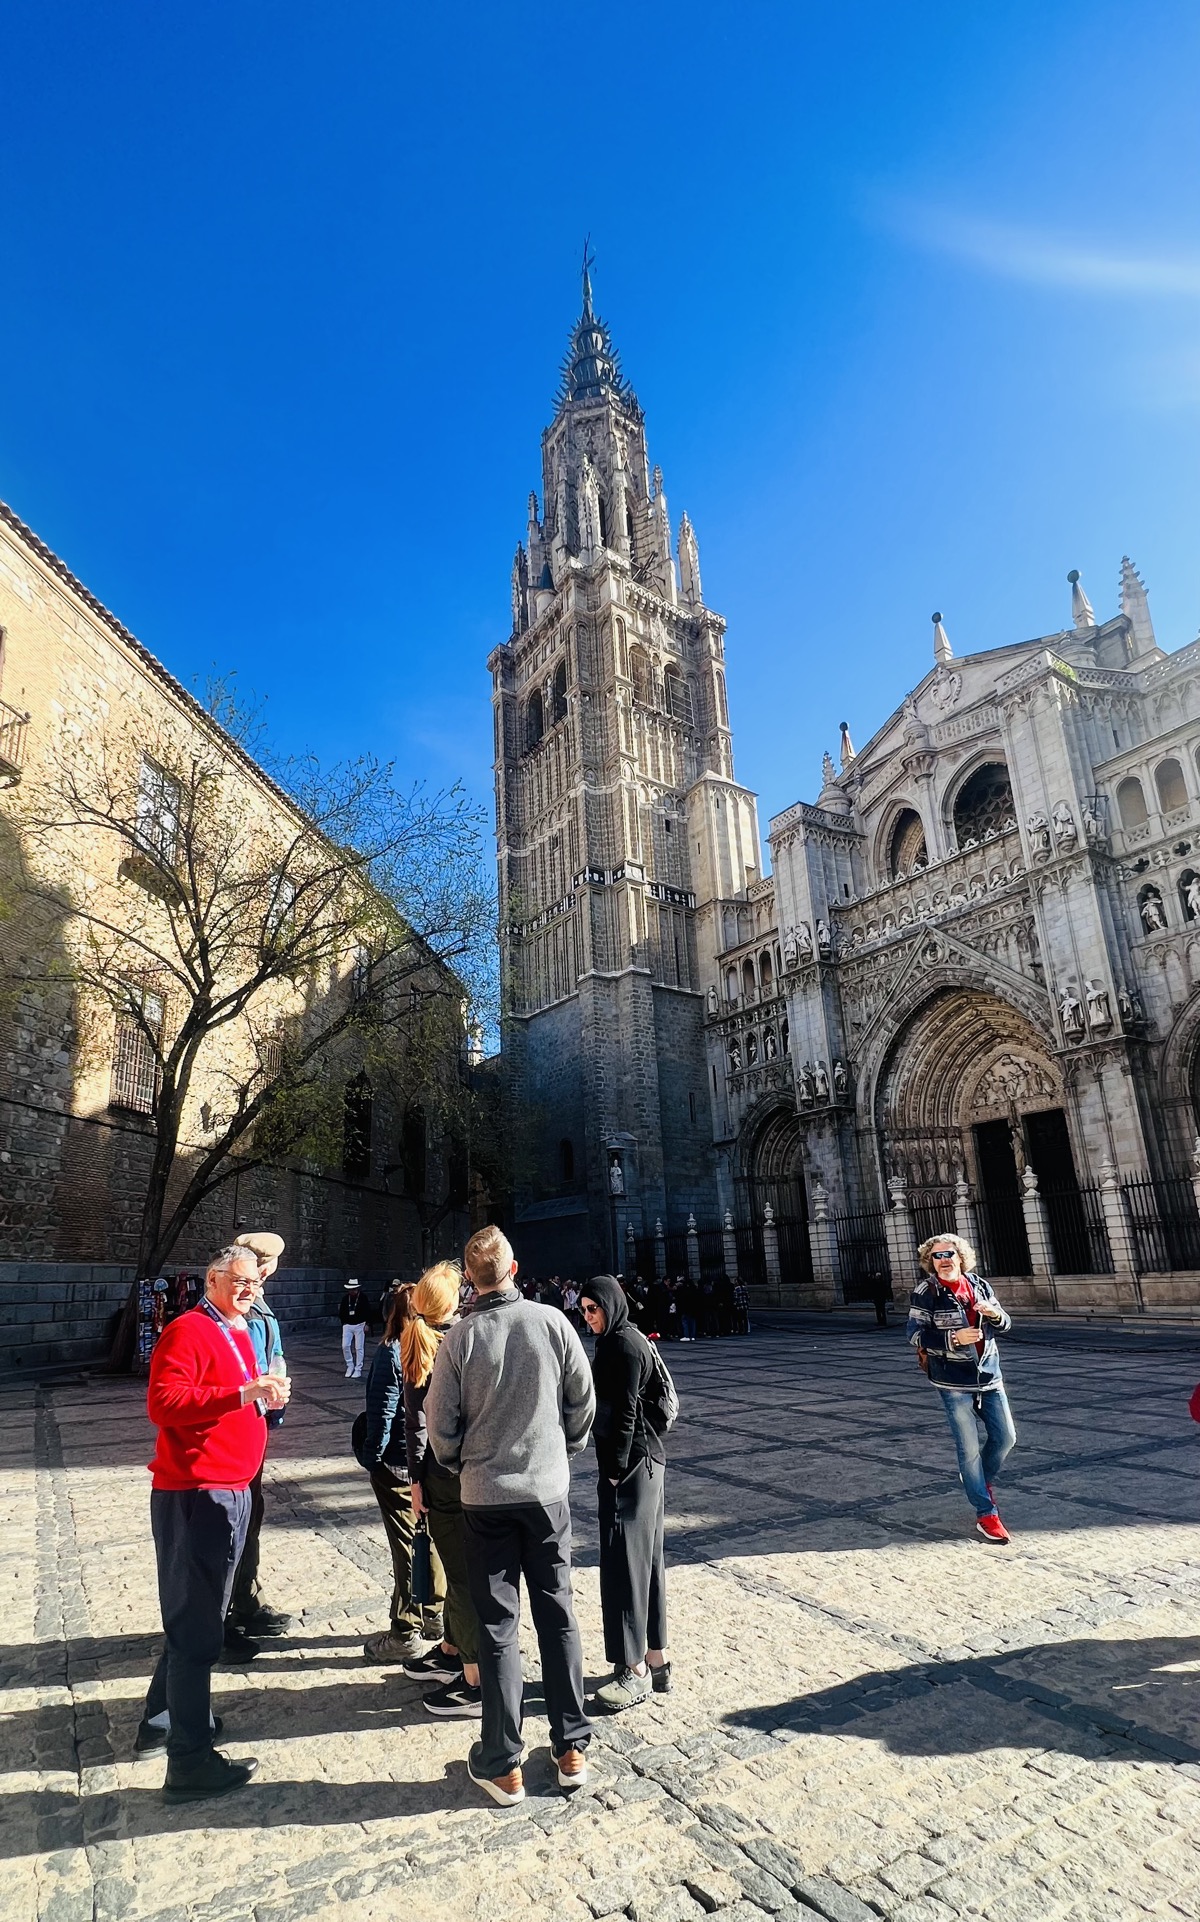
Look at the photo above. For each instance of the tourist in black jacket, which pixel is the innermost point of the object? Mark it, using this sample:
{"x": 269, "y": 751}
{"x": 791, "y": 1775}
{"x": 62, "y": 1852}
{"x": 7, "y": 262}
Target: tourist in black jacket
{"x": 631, "y": 1459}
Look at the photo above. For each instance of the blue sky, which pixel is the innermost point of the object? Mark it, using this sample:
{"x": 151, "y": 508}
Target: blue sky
{"x": 910, "y": 294}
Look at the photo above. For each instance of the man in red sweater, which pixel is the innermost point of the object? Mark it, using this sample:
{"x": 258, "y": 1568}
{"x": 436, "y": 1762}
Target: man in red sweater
{"x": 208, "y": 1401}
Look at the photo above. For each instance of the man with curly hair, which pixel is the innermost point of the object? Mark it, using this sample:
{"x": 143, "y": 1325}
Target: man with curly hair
{"x": 953, "y": 1322}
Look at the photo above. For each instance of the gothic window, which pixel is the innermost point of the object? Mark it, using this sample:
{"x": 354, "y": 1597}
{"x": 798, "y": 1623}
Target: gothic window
{"x": 722, "y": 705}
{"x": 559, "y": 694}
{"x": 1131, "y": 803}
{"x": 748, "y": 981}
{"x": 566, "y": 1161}
{"x": 906, "y": 850}
{"x": 535, "y": 719}
{"x": 357, "y": 1105}
{"x": 158, "y": 799}
{"x": 135, "y": 1053}
{"x": 603, "y": 523}
{"x": 764, "y": 972}
{"x": 984, "y": 804}
{"x": 1172, "y": 790}
{"x": 731, "y": 985}
{"x": 785, "y": 1036}
{"x": 640, "y": 675}
{"x": 679, "y": 696}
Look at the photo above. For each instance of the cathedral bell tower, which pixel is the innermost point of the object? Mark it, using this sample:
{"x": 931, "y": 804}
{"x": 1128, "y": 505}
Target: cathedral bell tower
{"x": 618, "y": 828}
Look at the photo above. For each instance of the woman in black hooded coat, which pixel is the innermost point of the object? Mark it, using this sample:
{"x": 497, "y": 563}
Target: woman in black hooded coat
{"x": 631, "y": 1459}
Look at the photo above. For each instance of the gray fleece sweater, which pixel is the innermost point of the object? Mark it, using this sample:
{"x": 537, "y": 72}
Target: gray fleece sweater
{"x": 509, "y": 1400}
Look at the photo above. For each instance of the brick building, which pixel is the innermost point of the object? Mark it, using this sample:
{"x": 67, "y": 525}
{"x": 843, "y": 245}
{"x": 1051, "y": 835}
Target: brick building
{"x": 76, "y": 1079}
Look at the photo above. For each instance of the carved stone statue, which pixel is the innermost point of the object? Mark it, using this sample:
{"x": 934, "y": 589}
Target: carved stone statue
{"x": 1039, "y": 833}
{"x": 1064, "y": 825}
{"x": 804, "y": 941}
{"x": 824, "y": 938}
{"x": 751, "y": 1049}
{"x": 841, "y": 1080}
{"x": 1093, "y": 826}
{"x": 804, "y": 1082}
{"x": 714, "y": 1005}
{"x": 770, "y": 1045}
{"x": 616, "y": 1179}
{"x": 821, "y": 1077}
{"x": 1099, "y": 1011}
{"x": 735, "y": 1056}
{"x": 1072, "y": 1013}
{"x": 1153, "y": 913}
{"x": 1192, "y": 897}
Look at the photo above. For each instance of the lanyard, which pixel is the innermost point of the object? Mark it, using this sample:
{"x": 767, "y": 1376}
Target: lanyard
{"x": 214, "y": 1314}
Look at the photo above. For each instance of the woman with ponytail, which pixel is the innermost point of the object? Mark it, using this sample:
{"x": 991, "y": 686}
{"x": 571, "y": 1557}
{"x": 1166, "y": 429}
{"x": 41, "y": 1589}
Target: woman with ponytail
{"x": 435, "y": 1494}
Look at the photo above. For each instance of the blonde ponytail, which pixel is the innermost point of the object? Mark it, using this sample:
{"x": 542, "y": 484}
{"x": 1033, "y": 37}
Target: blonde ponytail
{"x": 434, "y": 1300}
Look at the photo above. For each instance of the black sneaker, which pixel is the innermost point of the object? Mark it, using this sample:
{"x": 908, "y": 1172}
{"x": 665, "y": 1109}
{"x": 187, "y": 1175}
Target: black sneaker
{"x": 238, "y": 1646}
{"x": 660, "y": 1676}
{"x": 152, "y": 1735}
{"x": 457, "y": 1698}
{"x": 265, "y": 1621}
{"x": 215, "y": 1775}
{"x": 437, "y": 1666}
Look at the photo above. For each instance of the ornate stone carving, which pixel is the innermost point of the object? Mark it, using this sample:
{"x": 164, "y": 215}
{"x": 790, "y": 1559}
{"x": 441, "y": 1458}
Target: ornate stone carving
{"x": 1071, "y": 1013}
{"x": 1039, "y": 835}
{"x": 1098, "y": 1008}
{"x": 824, "y": 939}
{"x": 1011, "y": 1079}
{"x": 1150, "y": 907}
{"x": 841, "y": 1079}
{"x": 1064, "y": 826}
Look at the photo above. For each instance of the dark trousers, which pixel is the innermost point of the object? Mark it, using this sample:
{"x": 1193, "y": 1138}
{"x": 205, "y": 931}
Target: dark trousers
{"x": 399, "y": 1525}
{"x": 198, "y": 1537}
{"x": 446, "y": 1528}
{"x": 503, "y": 1544}
{"x": 245, "y": 1598}
{"x": 633, "y": 1576}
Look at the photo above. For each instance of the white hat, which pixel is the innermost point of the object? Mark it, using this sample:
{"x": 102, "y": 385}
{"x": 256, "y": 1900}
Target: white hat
{"x": 352, "y": 1283}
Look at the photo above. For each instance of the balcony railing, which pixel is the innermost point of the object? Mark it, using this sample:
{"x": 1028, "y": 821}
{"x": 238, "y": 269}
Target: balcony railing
{"x": 944, "y": 887}
{"x": 13, "y": 725}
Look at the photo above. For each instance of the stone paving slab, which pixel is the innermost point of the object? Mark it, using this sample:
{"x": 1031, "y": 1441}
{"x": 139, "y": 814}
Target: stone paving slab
{"x": 876, "y": 1713}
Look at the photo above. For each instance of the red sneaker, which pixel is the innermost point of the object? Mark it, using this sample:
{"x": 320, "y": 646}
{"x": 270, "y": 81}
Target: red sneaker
{"x": 991, "y": 1528}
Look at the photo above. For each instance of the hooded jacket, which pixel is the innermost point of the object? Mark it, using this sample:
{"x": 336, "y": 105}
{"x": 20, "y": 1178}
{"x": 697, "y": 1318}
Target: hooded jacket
{"x": 622, "y": 1368}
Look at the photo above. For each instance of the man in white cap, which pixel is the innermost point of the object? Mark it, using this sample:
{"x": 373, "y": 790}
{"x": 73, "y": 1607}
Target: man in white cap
{"x": 249, "y": 1616}
{"x": 354, "y": 1313}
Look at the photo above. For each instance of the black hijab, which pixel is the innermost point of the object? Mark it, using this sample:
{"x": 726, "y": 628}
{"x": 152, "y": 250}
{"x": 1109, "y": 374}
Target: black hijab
{"x": 607, "y": 1293}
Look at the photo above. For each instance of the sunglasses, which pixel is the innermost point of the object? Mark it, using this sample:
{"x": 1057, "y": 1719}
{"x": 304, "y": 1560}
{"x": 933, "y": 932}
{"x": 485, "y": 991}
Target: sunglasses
{"x": 943, "y": 1254}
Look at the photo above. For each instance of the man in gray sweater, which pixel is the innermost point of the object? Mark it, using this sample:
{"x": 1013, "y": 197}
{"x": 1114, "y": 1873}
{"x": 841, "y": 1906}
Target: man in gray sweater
{"x": 509, "y": 1402}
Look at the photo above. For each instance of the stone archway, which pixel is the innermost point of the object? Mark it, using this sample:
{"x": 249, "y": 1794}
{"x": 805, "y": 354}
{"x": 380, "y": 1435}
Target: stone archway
{"x": 772, "y": 1175}
{"x": 970, "y": 1087}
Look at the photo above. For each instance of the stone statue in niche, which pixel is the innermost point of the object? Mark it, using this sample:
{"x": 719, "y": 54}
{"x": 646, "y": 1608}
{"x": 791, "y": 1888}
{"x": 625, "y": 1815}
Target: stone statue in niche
{"x": 1064, "y": 825}
{"x": 824, "y": 938}
{"x": 1192, "y": 897}
{"x": 1093, "y": 825}
{"x": 804, "y": 1083}
{"x": 770, "y": 1045}
{"x": 978, "y": 886}
{"x": 1152, "y": 911}
{"x": 714, "y": 1005}
{"x": 751, "y": 1049}
{"x": 791, "y": 948}
{"x": 804, "y": 943}
{"x": 1129, "y": 1006}
{"x": 1099, "y": 1011}
{"x": 1039, "y": 833}
{"x": 1072, "y": 1013}
{"x": 735, "y": 1056}
{"x": 616, "y": 1179}
{"x": 821, "y": 1078}
{"x": 841, "y": 1080}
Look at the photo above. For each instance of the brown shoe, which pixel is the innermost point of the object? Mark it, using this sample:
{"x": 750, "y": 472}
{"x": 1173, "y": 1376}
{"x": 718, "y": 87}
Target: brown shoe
{"x": 505, "y": 1789}
{"x": 572, "y": 1768}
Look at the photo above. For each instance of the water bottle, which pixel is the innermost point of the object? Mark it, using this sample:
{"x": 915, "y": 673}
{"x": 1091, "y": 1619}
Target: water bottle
{"x": 277, "y": 1366}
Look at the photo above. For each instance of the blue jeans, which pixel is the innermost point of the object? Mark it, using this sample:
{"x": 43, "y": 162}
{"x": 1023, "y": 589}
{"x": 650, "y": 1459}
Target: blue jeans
{"x": 979, "y": 1465}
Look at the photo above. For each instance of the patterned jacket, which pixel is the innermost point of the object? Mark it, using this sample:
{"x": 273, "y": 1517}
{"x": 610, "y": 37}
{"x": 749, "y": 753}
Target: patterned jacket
{"x": 934, "y": 1314}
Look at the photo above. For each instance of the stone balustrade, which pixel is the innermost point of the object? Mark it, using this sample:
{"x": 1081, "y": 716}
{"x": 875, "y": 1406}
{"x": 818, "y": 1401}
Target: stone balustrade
{"x": 943, "y": 888}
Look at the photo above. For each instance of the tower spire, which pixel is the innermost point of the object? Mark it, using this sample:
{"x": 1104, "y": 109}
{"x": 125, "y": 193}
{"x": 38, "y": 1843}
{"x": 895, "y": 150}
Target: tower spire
{"x": 1136, "y": 609}
{"x": 589, "y": 261}
{"x": 942, "y": 650}
{"x": 592, "y": 367}
{"x": 1082, "y": 612}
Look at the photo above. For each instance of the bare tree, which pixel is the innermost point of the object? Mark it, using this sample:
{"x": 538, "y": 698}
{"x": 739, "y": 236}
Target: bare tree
{"x": 269, "y": 931}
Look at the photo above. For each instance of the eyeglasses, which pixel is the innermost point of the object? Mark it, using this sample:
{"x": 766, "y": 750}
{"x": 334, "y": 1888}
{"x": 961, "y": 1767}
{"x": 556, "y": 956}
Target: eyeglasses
{"x": 943, "y": 1254}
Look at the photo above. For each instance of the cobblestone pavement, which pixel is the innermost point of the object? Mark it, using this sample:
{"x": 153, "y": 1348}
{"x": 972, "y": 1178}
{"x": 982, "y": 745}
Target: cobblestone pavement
{"x": 875, "y": 1712}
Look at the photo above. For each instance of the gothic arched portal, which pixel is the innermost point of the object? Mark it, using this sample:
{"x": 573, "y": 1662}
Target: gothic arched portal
{"x": 772, "y": 1175}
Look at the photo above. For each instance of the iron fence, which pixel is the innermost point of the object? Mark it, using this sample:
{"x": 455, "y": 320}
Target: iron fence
{"x": 862, "y": 1253}
{"x": 1003, "y": 1242}
{"x": 932, "y": 1211}
{"x": 790, "y": 1210}
{"x": 1078, "y": 1235}
{"x": 1163, "y": 1223}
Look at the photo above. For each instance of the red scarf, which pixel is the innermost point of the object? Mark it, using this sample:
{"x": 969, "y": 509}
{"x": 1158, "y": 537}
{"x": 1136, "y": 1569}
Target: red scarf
{"x": 962, "y": 1290}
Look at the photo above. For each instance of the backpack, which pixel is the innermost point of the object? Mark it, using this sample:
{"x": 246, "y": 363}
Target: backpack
{"x": 660, "y": 1403}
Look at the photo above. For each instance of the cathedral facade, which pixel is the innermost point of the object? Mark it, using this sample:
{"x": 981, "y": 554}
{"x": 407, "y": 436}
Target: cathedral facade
{"x": 967, "y": 994}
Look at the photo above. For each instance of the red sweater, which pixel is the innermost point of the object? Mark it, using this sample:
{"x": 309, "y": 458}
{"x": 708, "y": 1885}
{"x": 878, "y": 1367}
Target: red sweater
{"x": 206, "y": 1439}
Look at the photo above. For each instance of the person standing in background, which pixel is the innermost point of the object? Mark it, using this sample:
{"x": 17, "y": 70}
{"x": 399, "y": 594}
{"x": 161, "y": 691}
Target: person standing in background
{"x": 354, "y": 1313}
{"x": 249, "y": 1615}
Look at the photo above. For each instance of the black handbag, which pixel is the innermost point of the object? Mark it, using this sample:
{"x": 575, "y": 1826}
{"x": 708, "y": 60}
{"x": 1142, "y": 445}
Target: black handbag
{"x": 422, "y": 1566}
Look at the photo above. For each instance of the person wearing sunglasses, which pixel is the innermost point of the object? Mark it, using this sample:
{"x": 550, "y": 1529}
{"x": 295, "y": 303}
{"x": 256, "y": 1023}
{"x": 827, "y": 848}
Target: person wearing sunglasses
{"x": 953, "y": 1321}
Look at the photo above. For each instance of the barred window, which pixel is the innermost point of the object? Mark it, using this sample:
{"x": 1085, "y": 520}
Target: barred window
{"x": 135, "y": 1054}
{"x": 158, "y": 799}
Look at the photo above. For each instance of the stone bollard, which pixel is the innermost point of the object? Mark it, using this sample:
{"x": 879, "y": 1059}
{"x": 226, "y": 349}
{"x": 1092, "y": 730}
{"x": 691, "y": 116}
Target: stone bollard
{"x": 822, "y": 1245}
{"x": 693, "y": 1250}
{"x": 729, "y": 1251}
{"x": 1037, "y": 1234}
{"x": 1121, "y": 1243}
{"x": 901, "y": 1240}
{"x": 770, "y": 1235}
{"x": 630, "y": 1251}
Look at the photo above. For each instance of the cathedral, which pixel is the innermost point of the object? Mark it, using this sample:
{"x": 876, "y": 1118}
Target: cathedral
{"x": 966, "y": 996}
